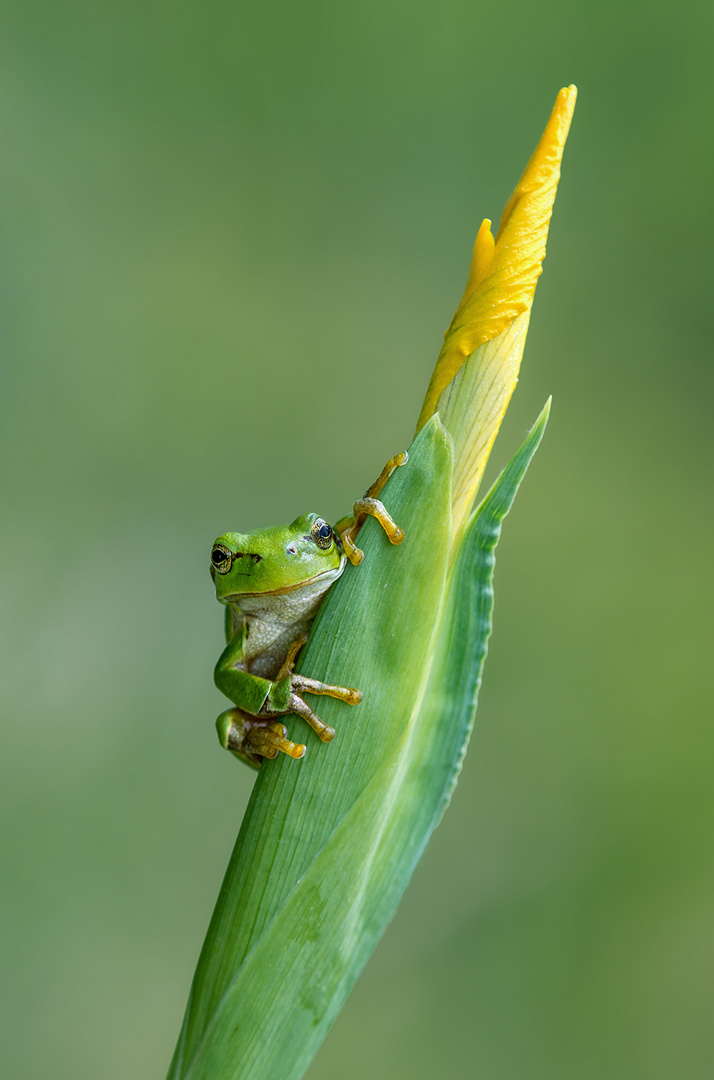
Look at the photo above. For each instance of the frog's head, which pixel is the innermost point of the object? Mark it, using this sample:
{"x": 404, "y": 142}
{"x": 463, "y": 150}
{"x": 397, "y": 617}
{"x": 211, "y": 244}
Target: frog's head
{"x": 276, "y": 560}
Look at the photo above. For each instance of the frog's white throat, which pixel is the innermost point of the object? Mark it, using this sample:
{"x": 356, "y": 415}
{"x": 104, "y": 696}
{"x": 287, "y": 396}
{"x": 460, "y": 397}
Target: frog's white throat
{"x": 275, "y": 620}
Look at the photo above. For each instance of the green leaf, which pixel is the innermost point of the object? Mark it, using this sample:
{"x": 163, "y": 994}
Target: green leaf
{"x": 328, "y": 844}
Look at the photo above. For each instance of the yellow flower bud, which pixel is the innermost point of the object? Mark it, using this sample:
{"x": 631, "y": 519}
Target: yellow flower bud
{"x": 477, "y": 368}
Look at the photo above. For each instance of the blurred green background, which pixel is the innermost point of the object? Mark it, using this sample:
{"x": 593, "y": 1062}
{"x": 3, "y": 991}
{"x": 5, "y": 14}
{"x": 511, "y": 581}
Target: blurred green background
{"x": 232, "y": 236}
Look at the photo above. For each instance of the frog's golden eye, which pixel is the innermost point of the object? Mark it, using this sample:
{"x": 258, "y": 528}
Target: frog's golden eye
{"x": 221, "y": 559}
{"x": 321, "y": 533}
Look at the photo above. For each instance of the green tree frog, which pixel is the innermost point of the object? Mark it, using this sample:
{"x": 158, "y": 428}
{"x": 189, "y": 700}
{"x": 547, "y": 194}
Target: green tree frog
{"x": 272, "y": 583}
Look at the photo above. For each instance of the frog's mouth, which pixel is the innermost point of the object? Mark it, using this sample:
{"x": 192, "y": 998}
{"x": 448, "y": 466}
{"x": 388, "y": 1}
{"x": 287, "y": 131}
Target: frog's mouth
{"x": 334, "y": 573}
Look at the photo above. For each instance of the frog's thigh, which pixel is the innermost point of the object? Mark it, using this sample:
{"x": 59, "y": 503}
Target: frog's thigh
{"x": 247, "y": 691}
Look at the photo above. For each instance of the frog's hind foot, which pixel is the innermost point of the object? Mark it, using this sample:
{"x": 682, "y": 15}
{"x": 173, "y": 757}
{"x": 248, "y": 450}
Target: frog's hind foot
{"x": 252, "y": 739}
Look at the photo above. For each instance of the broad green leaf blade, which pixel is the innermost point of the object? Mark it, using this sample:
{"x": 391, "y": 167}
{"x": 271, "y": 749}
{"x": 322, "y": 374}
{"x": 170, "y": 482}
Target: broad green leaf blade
{"x": 373, "y": 632}
{"x": 310, "y": 891}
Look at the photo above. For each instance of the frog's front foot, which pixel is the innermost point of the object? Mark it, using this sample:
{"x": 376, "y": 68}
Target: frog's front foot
{"x": 253, "y": 738}
{"x": 300, "y": 685}
{"x": 370, "y": 506}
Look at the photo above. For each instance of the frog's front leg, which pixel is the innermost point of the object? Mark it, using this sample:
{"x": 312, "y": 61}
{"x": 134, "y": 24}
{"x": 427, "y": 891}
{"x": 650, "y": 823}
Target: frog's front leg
{"x": 300, "y": 684}
{"x": 251, "y": 729}
{"x": 370, "y": 506}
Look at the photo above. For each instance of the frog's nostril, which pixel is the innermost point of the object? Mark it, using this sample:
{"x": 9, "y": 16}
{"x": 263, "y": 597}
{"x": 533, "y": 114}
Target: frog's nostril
{"x": 256, "y": 558}
{"x": 292, "y": 549}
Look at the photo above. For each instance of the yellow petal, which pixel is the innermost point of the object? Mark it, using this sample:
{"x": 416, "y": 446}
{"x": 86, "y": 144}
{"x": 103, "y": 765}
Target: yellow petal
{"x": 501, "y": 285}
{"x": 481, "y": 260}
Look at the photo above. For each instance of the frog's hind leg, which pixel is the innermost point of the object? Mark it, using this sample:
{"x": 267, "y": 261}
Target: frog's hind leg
{"x": 253, "y": 739}
{"x": 370, "y": 506}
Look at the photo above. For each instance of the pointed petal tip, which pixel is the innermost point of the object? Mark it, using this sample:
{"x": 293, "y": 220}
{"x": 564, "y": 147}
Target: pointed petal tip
{"x": 565, "y": 106}
{"x": 481, "y": 259}
{"x": 504, "y": 273}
